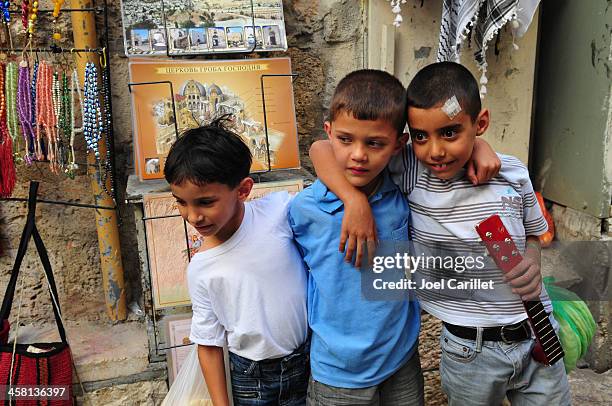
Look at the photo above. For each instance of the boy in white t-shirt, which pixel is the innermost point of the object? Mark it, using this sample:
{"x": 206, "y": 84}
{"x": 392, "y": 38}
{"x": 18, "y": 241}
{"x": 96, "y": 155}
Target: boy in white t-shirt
{"x": 248, "y": 282}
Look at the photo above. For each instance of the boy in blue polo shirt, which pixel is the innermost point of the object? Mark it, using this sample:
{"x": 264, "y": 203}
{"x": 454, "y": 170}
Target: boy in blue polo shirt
{"x": 362, "y": 351}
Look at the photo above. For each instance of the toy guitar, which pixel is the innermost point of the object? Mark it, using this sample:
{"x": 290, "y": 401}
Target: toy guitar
{"x": 502, "y": 249}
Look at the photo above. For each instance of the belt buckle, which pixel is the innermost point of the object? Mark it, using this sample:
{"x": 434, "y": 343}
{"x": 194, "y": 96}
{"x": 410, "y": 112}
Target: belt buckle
{"x": 503, "y": 337}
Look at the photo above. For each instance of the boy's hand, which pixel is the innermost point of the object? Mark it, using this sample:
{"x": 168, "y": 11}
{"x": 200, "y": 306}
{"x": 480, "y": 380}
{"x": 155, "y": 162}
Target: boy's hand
{"x": 484, "y": 163}
{"x": 358, "y": 231}
{"x": 526, "y": 277}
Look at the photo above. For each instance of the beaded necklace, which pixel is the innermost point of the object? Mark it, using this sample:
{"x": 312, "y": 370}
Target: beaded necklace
{"x": 6, "y": 15}
{"x": 108, "y": 133}
{"x": 38, "y": 151}
{"x": 74, "y": 84}
{"x": 7, "y": 166}
{"x": 92, "y": 121}
{"x": 11, "y": 105}
{"x": 25, "y": 4}
{"x": 57, "y": 5}
{"x": 57, "y": 110}
{"x": 24, "y": 109}
{"x": 45, "y": 113}
{"x": 32, "y": 16}
{"x": 63, "y": 122}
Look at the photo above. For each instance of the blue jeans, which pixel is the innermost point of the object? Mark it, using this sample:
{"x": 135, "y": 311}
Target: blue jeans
{"x": 403, "y": 388}
{"x": 280, "y": 381}
{"x": 485, "y": 373}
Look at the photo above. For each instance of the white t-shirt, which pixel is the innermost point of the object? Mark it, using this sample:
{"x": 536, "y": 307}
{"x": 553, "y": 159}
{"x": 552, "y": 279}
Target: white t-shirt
{"x": 444, "y": 214}
{"x": 252, "y": 287}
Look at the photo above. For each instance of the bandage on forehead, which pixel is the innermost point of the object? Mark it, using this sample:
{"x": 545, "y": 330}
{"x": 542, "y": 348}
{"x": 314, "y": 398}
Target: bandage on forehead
{"x": 452, "y": 107}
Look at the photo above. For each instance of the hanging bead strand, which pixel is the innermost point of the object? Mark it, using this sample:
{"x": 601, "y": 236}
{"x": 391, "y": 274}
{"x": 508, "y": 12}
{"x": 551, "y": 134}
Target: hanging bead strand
{"x": 32, "y": 17}
{"x": 24, "y": 109}
{"x": 38, "y": 150}
{"x": 74, "y": 85}
{"x": 46, "y": 118}
{"x": 92, "y": 121}
{"x": 11, "y": 107}
{"x": 7, "y": 166}
{"x": 57, "y": 109}
{"x": 57, "y": 6}
{"x": 108, "y": 133}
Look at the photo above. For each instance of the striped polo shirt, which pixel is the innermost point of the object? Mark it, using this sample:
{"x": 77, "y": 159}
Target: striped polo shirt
{"x": 444, "y": 214}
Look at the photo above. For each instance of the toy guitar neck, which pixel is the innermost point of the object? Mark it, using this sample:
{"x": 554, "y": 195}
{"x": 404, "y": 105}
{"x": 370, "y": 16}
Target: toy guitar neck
{"x": 502, "y": 249}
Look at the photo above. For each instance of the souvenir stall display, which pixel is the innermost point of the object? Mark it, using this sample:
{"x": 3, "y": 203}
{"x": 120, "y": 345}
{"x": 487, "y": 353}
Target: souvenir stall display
{"x": 52, "y": 119}
{"x": 171, "y": 95}
{"x": 45, "y": 112}
{"x": 186, "y": 94}
{"x": 175, "y": 27}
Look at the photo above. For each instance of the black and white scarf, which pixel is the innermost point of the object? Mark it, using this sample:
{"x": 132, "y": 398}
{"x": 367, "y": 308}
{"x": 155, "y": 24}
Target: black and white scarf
{"x": 482, "y": 18}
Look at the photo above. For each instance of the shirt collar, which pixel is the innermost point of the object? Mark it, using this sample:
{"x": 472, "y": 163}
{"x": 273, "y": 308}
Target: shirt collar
{"x": 327, "y": 201}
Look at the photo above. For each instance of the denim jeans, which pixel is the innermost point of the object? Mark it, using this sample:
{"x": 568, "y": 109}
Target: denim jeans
{"x": 281, "y": 381}
{"x": 485, "y": 373}
{"x": 403, "y": 388}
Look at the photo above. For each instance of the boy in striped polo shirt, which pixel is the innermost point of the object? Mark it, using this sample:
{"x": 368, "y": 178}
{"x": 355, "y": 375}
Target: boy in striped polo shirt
{"x": 480, "y": 364}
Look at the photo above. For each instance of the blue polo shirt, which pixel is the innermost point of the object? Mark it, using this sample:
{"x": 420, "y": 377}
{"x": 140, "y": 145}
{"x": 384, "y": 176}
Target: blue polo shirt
{"x": 356, "y": 342}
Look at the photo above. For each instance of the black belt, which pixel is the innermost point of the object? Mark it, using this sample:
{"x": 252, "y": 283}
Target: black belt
{"x": 510, "y": 333}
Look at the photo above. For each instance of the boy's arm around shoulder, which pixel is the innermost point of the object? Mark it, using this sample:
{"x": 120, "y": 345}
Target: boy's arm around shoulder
{"x": 484, "y": 164}
{"x": 526, "y": 277}
{"x": 358, "y": 227}
{"x": 213, "y": 369}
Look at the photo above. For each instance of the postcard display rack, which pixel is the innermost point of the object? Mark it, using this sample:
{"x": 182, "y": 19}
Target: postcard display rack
{"x": 171, "y": 94}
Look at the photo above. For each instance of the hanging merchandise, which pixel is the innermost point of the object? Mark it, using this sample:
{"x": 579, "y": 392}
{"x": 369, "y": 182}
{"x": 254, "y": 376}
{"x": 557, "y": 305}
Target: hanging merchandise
{"x": 7, "y": 165}
{"x": 24, "y": 109}
{"x": 10, "y": 89}
{"x": 525, "y": 12}
{"x": 92, "y": 120}
{"x": 37, "y": 364}
{"x": 108, "y": 132}
{"x": 397, "y": 10}
{"x": 57, "y": 6}
{"x": 177, "y": 27}
{"x": 482, "y": 20}
{"x": 202, "y": 90}
{"x": 45, "y": 114}
{"x": 38, "y": 149}
{"x": 74, "y": 86}
{"x": 31, "y": 11}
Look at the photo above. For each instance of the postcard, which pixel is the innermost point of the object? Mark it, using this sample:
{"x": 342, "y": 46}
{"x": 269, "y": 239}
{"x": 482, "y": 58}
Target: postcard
{"x": 170, "y": 244}
{"x": 204, "y": 90}
{"x": 226, "y": 23}
{"x": 178, "y": 328}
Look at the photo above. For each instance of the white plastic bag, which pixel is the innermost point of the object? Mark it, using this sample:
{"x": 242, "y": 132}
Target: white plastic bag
{"x": 189, "y": 388}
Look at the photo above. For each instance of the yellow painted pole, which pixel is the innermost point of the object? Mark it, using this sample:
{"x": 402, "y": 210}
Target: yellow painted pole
{"x": 84, "y": 33}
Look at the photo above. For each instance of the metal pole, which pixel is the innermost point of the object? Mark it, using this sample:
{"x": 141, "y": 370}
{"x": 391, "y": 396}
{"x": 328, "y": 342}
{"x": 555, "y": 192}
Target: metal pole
{"x": 84, "y": 32}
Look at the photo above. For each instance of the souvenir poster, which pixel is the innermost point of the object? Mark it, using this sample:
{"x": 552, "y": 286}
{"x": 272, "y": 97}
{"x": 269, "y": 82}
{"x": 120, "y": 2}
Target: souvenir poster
{"x": 178, "y": 27}
{"x": 171, "y": 242}
{"x": 178, "y": 328}
{"x": 203, "y": 90}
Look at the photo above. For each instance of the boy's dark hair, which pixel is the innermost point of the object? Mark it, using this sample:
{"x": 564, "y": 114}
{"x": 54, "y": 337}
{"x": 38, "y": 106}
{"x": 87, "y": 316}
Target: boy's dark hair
{"x": 208, "y": 154}
{"x": 370, "y": 94}
{"x": 438, "y": 82}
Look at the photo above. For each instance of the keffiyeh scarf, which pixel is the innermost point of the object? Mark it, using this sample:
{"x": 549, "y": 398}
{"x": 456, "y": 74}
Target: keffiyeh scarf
{"x": 484, "y": 19}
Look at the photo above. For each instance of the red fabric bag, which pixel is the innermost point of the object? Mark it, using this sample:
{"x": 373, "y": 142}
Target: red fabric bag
{"x": 50, "y": 365}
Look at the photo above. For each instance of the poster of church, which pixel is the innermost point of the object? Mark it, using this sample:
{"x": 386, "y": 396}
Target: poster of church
{"x": 189, "y": 27}
{"x": 204, "y": 90}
